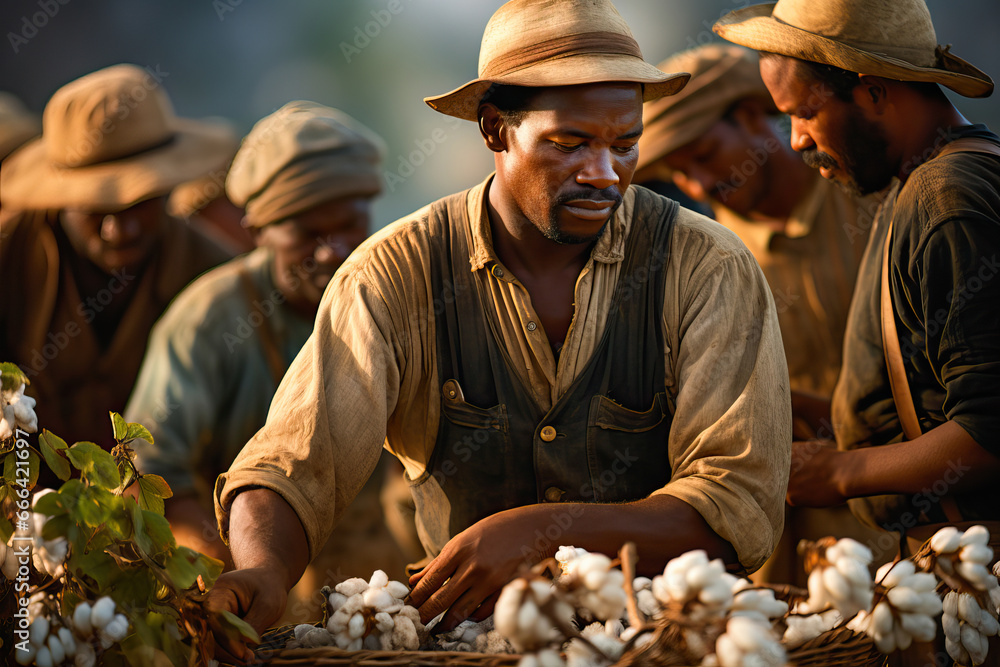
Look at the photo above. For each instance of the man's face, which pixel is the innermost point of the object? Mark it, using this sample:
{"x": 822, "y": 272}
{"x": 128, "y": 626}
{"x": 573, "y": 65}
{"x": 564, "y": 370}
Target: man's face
{"x": 832, "y": 134}
{"x": 116, "y": 240}
{"x": 311, "y": 246}
{"x": 714, "y": 165}
{"x": 569, "y": 162}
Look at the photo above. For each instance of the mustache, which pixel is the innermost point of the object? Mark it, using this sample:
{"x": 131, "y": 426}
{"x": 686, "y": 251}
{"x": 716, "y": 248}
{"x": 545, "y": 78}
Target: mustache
{"x": 817, "y": 159}
{"x": 607, "y": 194}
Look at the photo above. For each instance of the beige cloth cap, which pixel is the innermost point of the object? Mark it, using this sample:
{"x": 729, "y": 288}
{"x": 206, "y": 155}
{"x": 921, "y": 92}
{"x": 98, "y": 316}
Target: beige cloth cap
{"x": 17, "y": 124}
{"x": 300, "y": 156}
{"x": 894, "y": 39}
{"x": 721, "y": 75}
{"x": 541, "y": 43}
{"x": 110, "y": 140}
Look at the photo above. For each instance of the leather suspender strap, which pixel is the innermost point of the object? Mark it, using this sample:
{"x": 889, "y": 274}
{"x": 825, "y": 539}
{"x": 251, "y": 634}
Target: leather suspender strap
{"x": 898, "y": 382}
{"x": 268, "y": 341}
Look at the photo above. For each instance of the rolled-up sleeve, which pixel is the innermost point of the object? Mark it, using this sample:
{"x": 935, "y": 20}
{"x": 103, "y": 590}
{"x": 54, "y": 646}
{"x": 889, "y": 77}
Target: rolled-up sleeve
{"x": 730, "y": 442}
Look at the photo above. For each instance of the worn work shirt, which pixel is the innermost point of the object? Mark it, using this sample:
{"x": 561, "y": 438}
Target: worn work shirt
{"x": 205, "y": 383}
{"x": 945, "y": 260}
{"x": 368, "y": 374}
{"x": 811, "y": 268}
{"x": 46, "y": 321}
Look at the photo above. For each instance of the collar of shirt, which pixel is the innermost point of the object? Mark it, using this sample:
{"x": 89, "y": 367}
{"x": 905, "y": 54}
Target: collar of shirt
{"x": 610, "y": 248}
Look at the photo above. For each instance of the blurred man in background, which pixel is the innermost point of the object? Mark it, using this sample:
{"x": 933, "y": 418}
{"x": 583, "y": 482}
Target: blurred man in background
{"x": 719, "y": 140}
{"x": 88, "y": 255}
{"x": 307, "y": 175}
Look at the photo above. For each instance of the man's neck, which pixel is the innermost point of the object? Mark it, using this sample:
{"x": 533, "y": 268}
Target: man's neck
{"x": 930, "y": 128}
{"x": 522, "y": 247}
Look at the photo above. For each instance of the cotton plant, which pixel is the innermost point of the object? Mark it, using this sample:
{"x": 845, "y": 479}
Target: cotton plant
{"x": 17, "y": 411}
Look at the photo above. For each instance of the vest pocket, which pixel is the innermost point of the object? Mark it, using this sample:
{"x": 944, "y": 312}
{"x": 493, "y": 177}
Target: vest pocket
{"x": 607, "y": 414}
{"x": 459, "y": 412}
{"x": 627, "y": 452}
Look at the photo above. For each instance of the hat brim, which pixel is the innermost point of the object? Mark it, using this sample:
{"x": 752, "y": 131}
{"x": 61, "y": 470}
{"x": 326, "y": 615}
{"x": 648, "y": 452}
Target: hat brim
{"x": 30, "y": 181}
{"x": 755, "y": 28}
{"x": 463, "y": 102}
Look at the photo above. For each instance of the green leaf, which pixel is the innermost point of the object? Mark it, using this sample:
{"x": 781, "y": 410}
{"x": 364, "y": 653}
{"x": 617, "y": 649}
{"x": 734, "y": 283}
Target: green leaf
{"x": 231, "y": 620}
{"x": 6, "y": 529}
{"x": 54, "y": 440}
{"x": 139, "y": 535}
{"x": 149, "y": 499}
{"x": 50, "y": 504}
{"x": 210, "y": 567}
{"x": 158, "y": 486}
{"x": 34, "y": 467}
{"x": 95, "y": 506}
{"x": 3, "y": 491}
{"x": 57, "y": 526}
{"x": 181, "y": 571}
{"x": 10, "y": 469}
{"x": 13, "y": 376}
{"x": 120, "y": 427}
{"x": 95, "y": 564}
{"x": 136, "y": 431}
{"x": 159, "y": 532}
{"x": 97, "y": 465}
{"x": 55, "y": 461}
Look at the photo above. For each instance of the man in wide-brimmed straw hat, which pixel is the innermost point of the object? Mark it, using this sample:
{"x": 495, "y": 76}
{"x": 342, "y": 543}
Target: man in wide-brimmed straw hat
{"x": 89, "y": 258}
{"x": 860, "y": 79}
{"x": 555, "y": 357}
{"x": 307, "y": 175}
{"x": 719, "y": 141}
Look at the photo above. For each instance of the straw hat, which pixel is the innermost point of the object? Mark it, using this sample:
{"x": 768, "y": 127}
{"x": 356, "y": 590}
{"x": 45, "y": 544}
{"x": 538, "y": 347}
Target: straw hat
{"x": 894, "y": 39}
{"x": 541, "y": 43}
{"x": 110, "y": 140}
{"x": 721, "y": 75}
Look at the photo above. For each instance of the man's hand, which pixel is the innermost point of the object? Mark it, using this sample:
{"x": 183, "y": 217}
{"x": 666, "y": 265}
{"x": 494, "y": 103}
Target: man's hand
{"x": 253, "y": 594}
{"x": 817, "y": 469}
{"x": 466, "y": 577}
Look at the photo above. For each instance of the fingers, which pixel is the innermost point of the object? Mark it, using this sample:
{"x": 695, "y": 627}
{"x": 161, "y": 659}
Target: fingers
{"x": 430, "y": 579}
{"x": 461, "y": 609}
{"x": 485, "y": 609}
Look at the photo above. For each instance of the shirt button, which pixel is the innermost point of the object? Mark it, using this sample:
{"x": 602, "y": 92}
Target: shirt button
{"x": 532, "y": 326}
{"x": 548, "y": 434}
{"x": 497, "y": 271}
{"x": 553, "y": 495}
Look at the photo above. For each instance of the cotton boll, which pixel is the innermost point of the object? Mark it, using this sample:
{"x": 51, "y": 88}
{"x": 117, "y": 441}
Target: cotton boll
{"x": 968, "y": 609}
{"x": 336, "y": 601}
{"x": 44, "y": 658}
{"x": 69, "y": 644}
{"x": 352, "y": 587}
{"x": 952, "y": 627}
{"x": 957, "y": 651}
{"x": 38, "y": 630}
{"x": 854, "y": 549}
{"x": 988, "y": 624}
{"x": 836, "y": 584}
{"x": 379, "y": 579}
{"x": 947, "y": 540}
{"x": 975, "y": 644}
{"x": 102, "y": 611}
{"x": 898, "y": 572}
{"x": 976, "y": 553}
{"x": 975, "y": 535}
{"x": 728, "y": 652}
{"x": 854, "y": 571}
{"x": 397, "y": 589}
{"x": 921, "y": 627}
{"x": 356, "y": 626}
{"x": 647, "y": 603}
{"x": 378, "y": 598}
{"x": 903, "y": 638}
{"x": 974, "y": 573}
{"x": 301, "y": 630}
{"x": 885, "y": 643}
{"x": 56, "y": 649}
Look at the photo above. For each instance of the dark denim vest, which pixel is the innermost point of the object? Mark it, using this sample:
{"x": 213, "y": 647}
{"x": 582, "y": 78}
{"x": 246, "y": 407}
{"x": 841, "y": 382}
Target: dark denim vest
{"x": 605, "y": 440}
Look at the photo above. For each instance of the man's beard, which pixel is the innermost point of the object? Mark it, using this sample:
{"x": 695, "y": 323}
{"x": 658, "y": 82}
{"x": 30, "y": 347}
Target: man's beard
{"x": 553, "y": 232}
{"x": 864, "y": 154}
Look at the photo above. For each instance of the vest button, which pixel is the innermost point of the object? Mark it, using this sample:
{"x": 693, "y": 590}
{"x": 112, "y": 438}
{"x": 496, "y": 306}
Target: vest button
{"x": 548, "y": 433}
{"x": 532, "y": 326}
{"x": 553, "y": 495}
{"x": 497, "y": 271}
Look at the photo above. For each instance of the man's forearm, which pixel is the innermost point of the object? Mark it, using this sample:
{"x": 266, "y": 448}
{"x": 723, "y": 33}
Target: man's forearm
{"x": 663, "y": 527}
{"x": 946, "y": 453}
{"x": 194, "y": 526}
{"x": 265, "y": 532}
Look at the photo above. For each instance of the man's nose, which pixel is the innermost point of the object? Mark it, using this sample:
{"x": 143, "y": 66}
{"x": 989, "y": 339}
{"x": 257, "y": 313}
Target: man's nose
{"x": 599, "y": 170}
{"x": 801, "y": 140}
{"x": 118, "y": 229}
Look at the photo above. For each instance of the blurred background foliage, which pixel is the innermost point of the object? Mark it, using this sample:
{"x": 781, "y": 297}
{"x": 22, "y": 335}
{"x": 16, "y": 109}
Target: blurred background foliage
{"x": 375, "y": 59}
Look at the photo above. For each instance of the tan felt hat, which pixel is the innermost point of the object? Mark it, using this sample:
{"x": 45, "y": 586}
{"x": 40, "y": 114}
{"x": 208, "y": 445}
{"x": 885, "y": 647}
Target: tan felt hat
{"x": 17, "y": 124}
{"x": 894, "y": 39}
{"x": 110, "y": 140}
{"x": 540, "y": 43}
{"x": 721, "y": 75}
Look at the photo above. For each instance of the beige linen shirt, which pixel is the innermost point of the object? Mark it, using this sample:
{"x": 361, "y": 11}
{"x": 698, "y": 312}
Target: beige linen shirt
{"x": 811, "y": 268}
{"x": 368, "y": 374}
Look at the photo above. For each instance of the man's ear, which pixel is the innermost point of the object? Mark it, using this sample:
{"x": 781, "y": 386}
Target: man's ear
{"x": 872, "y": 93}
{"x": 493, "y": 128}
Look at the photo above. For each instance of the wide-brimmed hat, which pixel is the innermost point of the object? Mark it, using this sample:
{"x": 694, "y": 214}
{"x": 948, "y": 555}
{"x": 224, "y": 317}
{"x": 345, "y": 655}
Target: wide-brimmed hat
{"x": 110, "y": 140}
{"x": 302, "y": 155}
{"x": 540, "y": 43}
{"x": 721, "y": 75}
{"x": 894, "y": 39}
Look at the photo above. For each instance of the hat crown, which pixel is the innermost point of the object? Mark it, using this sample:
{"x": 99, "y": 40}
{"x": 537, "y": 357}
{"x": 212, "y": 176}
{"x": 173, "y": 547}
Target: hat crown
{"x": 899, "y": 29}
{"x": 110, "y": 114}
{"x": 520, "y": 25}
